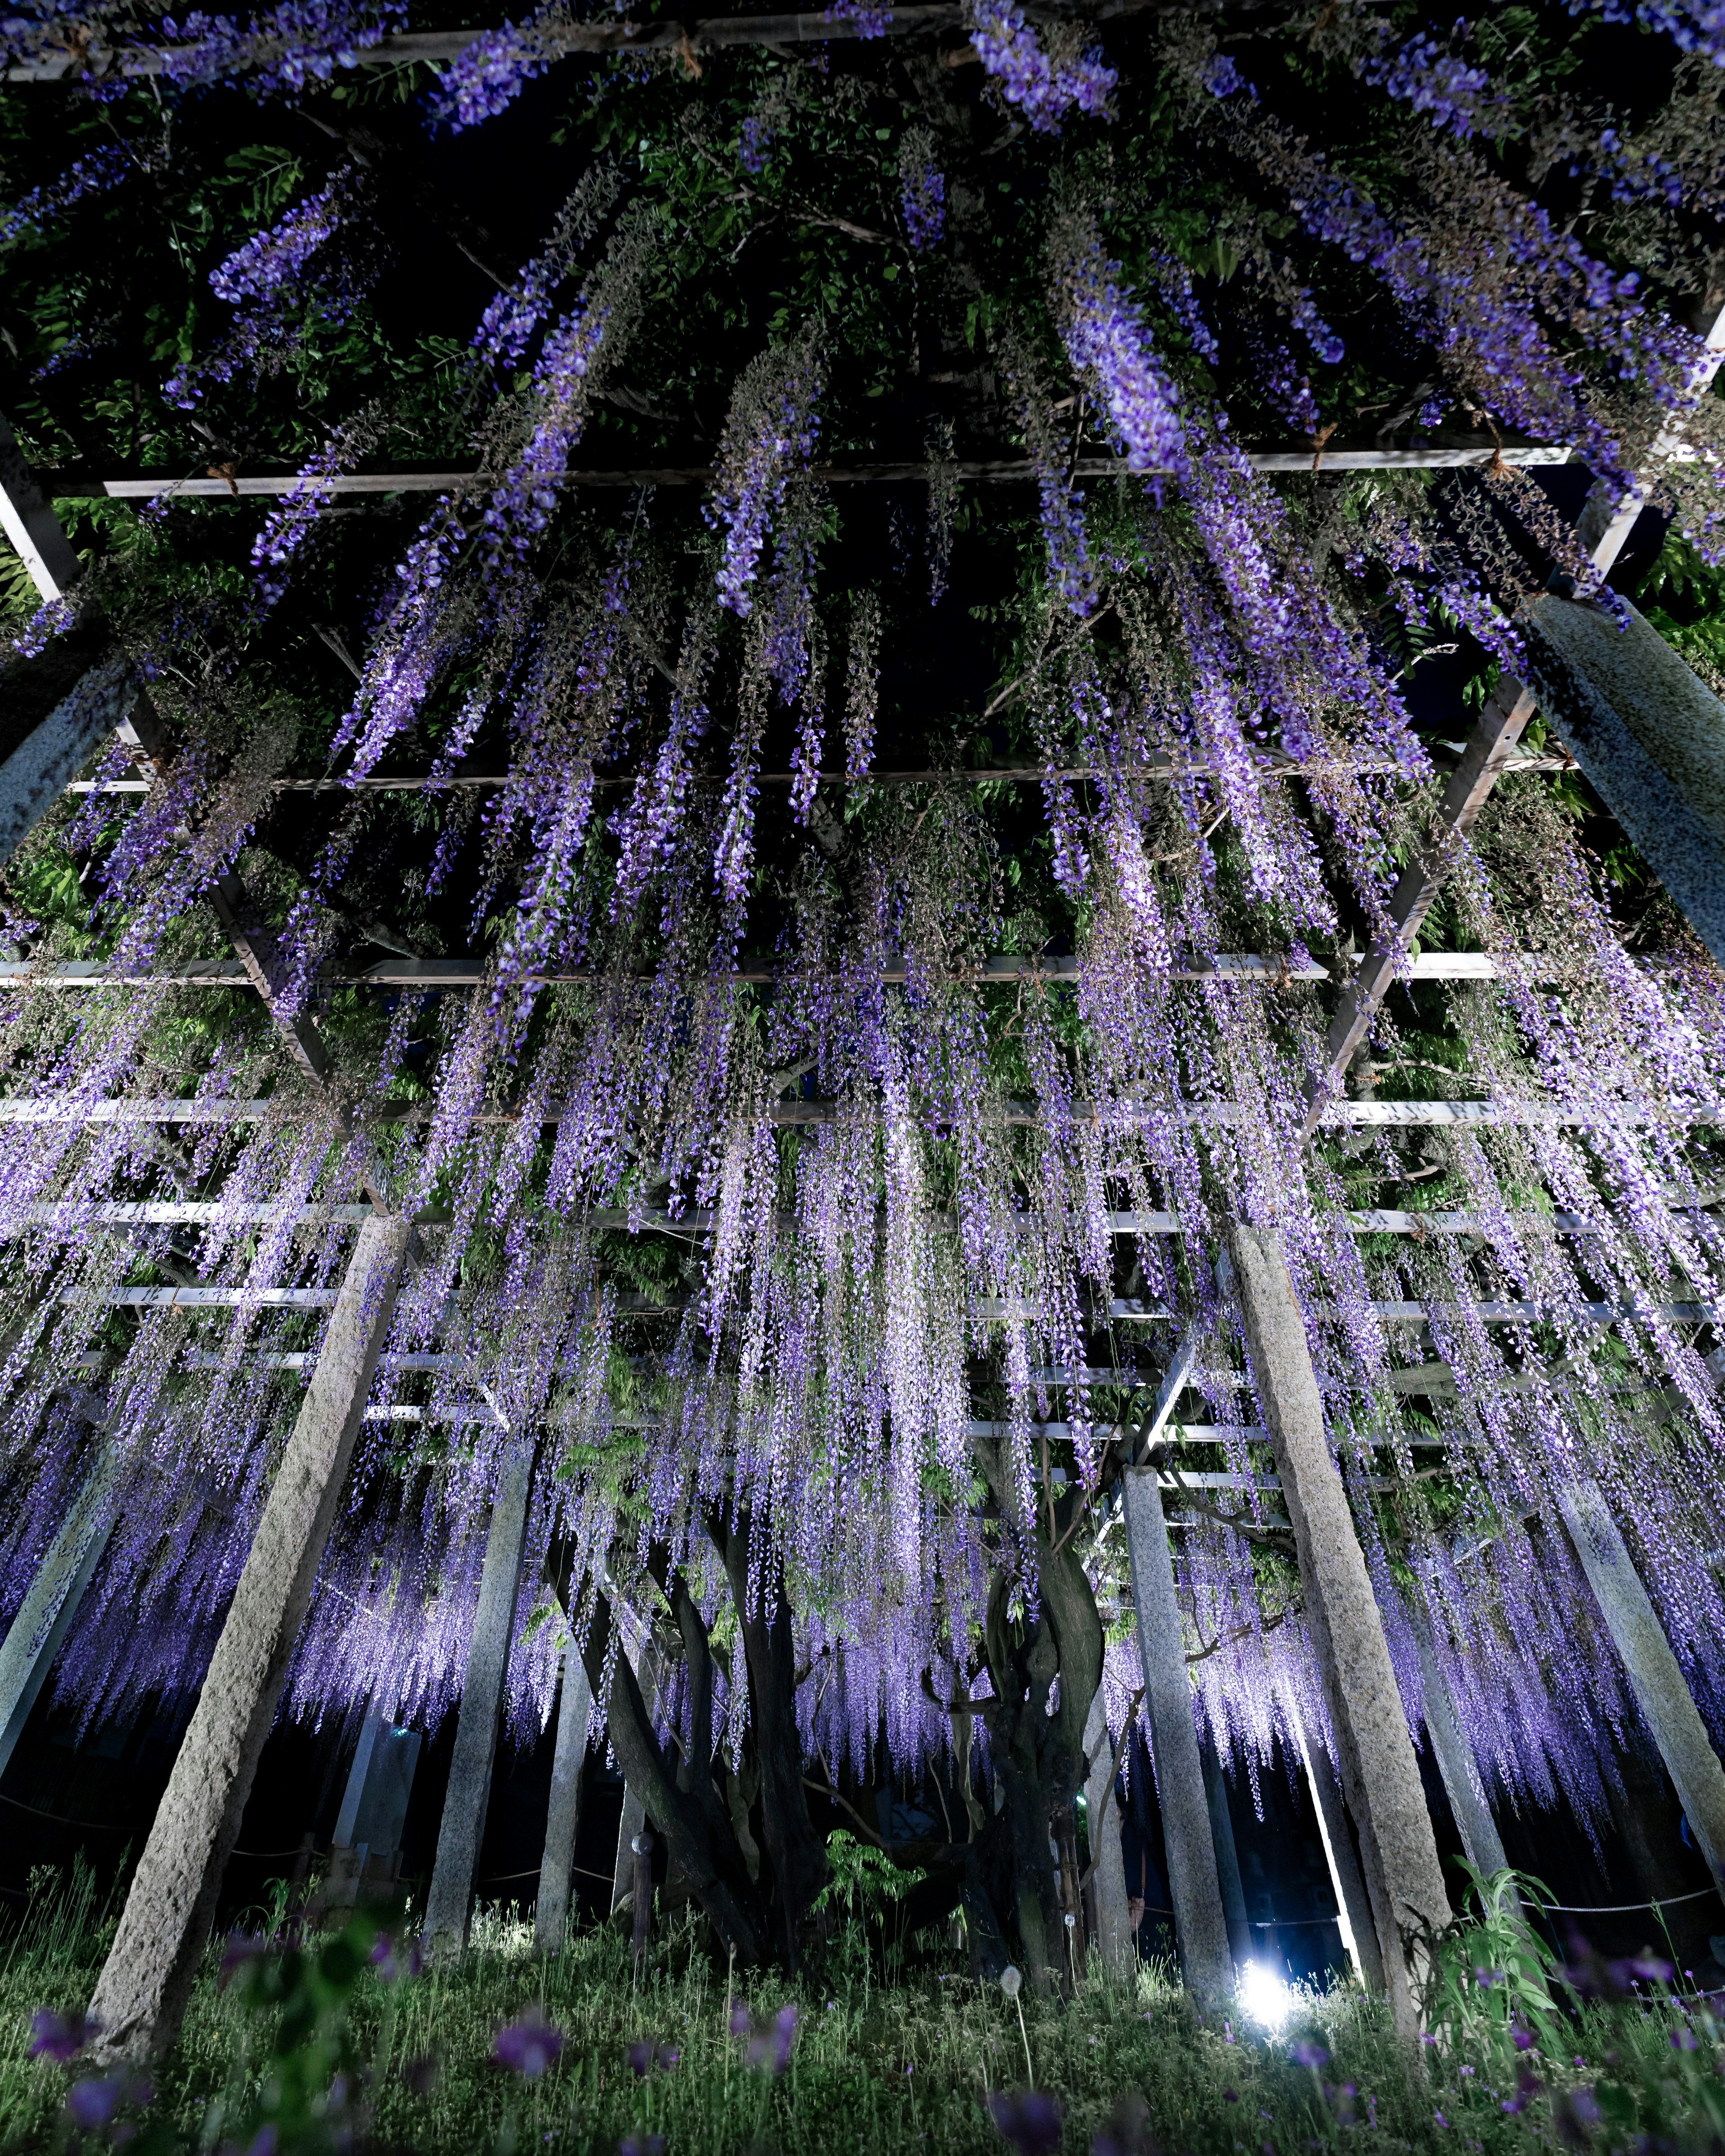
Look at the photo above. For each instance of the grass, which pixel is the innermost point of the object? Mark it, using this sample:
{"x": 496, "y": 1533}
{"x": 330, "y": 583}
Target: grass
{"x": 906, "y": 2068}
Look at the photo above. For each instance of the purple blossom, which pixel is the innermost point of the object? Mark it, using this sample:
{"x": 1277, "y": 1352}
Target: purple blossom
{"x": 96, "y": 174}
{"x": 753, "y": 141}
{"x": 766, "y": 2042}
{"x": 1107, "y": 341}
{"x": 1222, "y": 76}
{"x": 273, "y": 279}
{"x": 271, "y": 259}
{"x": 1045, "y": 89}
{"x": 286, "y": 47}
{"x": 527, "y": 2047}
{"x": 769, "y": 437}
{"x": 1309, "y": 2054}
{"x": 92, "y": 2103}
{"x": 1031, "y": 2121}
{"x": 485, "y": 77}
{"x": 867, "y": 21}
{"x": 59, "y": 2036}
{"x": 923, "y": 190}
{"x": 1422, "y": 74}
{"x": 52, "y": 619}
{"x": 291, "y": 522}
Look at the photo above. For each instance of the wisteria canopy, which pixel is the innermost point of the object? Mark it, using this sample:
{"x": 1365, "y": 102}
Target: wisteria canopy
{"x": 823, "y": 860}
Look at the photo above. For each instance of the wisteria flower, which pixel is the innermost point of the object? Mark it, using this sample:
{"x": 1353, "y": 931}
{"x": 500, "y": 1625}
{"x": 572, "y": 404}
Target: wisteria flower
{"x": 59, "y": 2036}
{"x": 529, "y": 2047}
{"x": 1029, "y": 2121}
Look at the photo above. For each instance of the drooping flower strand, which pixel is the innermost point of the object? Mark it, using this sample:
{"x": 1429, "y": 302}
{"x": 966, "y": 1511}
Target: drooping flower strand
{"x": 770, "y": 434}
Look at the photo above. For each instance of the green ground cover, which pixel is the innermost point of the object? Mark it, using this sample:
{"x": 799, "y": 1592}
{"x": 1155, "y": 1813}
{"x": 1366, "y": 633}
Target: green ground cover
{"x": 333, "y": 2049}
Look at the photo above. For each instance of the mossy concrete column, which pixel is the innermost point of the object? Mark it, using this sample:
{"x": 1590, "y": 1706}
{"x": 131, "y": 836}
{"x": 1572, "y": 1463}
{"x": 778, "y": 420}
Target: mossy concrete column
{"x": 1353, "y": 1906}
{"x": 449, "y": 1906}
{"x": 551, "y": 1915}
{"x": 1654, "y": 1675}
{"x": 1107, "y": 1860}
{"x": 1200, "y": 1929}
{"x": 34, "y": 1636}
{"x": 1462, "y": 1782}
{"x": 142, "y": 1994}
{"x": 1380, "y": 1774}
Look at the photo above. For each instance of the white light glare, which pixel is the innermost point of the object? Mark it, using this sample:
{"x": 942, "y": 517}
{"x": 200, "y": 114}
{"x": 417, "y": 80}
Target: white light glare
{"x": 1264, "y": 1997}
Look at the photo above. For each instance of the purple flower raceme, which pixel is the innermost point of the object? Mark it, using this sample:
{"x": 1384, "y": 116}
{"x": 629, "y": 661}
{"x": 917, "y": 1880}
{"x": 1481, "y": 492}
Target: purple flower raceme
{"x": 753, "y": 142}
{"x": 103, "y": 170}
{"x": 1477, "y": 270}
{"x": 487, "y": 76}
{"x": 52, "y": 619}
{"x": 1694, "y": 26}
{"x": 769, "y": 437}
{"x": 1434, "y": 79}
{"x": 1107, "y": 343}
{"x": 1045, "y": 87}
{"x": 529, "y": 2046}
{"x": 923, "y": 188}
{"x": 870, "y": 21}
{"x": 273, "y": 280}
{"x": 287, "y": 46}
{"x": 291, "y": 522}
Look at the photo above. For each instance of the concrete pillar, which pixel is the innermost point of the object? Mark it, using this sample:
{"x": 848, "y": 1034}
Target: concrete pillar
{"x": 449, "y": 1906}
{"x": 550, "y": 1917}
{"x": 1379, "y": 1771}
{"x": 1200, "y": 1927}
{"x": 367, "y": 1844}
{"x": 1650, "y": 735}
{"x": 1456, "y": 1764}
{"x": 1227, "y": 1879}
{"x": 1353, "y": 1907}
{"x": 645, "y": 1663}
{"x": 1114, "y": 1938}
{"x": 142, "y": 1994}
{"x": 45, "y": 1615}
{"x": 1655, "y": 1677}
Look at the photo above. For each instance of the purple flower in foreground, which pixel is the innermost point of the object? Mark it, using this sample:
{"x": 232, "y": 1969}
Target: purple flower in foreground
{"x": 1310, "y": 2055}
{"x": 1031, "y": 2122}
{"x": 769, "y": 2042}
{"x": 1575, "y": 2114}
{"x": 528, "y": 2046}
{"x": 641, "y": 2144}
{"x": 59, "y": 2036}
{"x": 91, "y": 2104}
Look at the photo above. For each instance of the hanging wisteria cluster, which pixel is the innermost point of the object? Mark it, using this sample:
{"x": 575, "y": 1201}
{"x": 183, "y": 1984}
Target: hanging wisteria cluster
{"x": 832, "y": 1155}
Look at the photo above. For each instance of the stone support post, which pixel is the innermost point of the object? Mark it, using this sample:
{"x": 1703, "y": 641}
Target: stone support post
{"x": 1462, "y": 1782}
{"x": 1353, "y": 1907}
{"x": 35, "y": 1637}
{"x": 449, "y": 1906}
{"x": 1380, "y": 1774}
{"x": 1114, "y": 1938}
{"x": 1654, "y": 1675}
{"x": 1228, "y": 1878}
{"x": 1200, "y": 1927}
{"x": 645, "y": 1665}
{"x": 550, "y": 1917}
{"x": 140, "y": 1996}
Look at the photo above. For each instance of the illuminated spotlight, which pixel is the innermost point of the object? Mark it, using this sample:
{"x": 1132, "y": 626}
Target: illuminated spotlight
{"x": 1264, "y": 1997}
